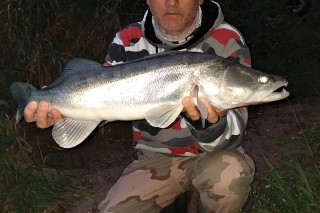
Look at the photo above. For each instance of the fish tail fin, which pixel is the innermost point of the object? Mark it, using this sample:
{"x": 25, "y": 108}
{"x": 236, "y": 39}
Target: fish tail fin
{"x": 21, "y": 92}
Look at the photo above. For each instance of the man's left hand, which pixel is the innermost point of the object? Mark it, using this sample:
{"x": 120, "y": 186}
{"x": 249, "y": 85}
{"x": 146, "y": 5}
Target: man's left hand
{"x": 194, "y": 114}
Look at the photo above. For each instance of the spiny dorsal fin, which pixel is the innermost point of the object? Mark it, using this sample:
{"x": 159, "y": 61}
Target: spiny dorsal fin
{"x": 73, "y": 66}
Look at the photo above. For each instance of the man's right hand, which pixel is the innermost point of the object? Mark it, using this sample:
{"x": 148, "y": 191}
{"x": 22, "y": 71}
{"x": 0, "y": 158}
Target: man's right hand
{"x": 40, "y": 113}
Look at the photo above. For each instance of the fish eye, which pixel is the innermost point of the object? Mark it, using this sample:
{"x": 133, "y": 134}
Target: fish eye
{"x": 263, "y": 79}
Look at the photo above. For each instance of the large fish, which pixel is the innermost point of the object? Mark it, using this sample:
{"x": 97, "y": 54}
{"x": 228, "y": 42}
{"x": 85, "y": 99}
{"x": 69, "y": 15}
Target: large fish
{"x": 150, "y": 88}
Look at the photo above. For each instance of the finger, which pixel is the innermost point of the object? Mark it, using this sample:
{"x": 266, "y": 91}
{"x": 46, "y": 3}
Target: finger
{"x": 221, "y": 112}
{"x": 213, "y": 116}
{"x": 42, "y": 119}
{"x": 30, "y": 111}
{"x": 55, "y": 115}
{"x": 191, "y": 109}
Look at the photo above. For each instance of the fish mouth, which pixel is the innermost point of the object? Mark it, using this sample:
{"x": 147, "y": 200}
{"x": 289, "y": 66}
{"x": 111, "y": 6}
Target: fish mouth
{"x": 278, "y": 92}
{"x": 275, "y": 93}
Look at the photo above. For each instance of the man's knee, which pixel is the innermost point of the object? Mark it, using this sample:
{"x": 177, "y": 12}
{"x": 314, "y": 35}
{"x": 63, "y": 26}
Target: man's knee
{"x": 223, "y": 180}
{"x": 224, "y": 172}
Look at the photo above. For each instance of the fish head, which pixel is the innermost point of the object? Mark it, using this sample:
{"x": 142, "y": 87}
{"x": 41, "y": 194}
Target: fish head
{"x": 242, "y": 86}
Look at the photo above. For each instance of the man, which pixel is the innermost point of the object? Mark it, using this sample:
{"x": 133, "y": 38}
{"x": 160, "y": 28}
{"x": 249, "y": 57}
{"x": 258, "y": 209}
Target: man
{"x": 173, "y": 159}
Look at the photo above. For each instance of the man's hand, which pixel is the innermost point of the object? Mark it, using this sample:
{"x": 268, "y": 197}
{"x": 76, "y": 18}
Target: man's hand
{"x": 194, "y": 114}
{"x": 39, "y": 112}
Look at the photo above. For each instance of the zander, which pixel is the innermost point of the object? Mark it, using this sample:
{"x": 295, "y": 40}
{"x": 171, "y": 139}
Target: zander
{"x": 150, "y": 88}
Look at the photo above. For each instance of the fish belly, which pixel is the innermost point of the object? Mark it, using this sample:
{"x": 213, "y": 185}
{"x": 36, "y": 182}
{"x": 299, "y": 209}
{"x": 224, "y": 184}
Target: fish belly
{"x": 121, "y": 113}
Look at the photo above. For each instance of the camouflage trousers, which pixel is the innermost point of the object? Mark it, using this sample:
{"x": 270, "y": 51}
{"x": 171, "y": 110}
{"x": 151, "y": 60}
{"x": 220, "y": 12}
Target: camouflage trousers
{"x": 150, "y": 183}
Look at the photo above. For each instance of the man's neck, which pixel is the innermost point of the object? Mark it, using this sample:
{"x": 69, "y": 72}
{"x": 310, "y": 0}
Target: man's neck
{"x": 162, "y": 35}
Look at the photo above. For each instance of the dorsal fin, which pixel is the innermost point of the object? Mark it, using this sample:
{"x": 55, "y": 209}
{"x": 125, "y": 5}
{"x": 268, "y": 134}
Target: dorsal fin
{"x": 73, "y": 66}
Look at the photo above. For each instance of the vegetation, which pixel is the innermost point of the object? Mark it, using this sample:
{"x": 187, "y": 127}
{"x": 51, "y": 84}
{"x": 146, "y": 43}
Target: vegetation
{"x": 38, "y": 37}
{"x": 26, "y": 185}
{"x": 294, "y": 187}
{"x": 293, "y": 192}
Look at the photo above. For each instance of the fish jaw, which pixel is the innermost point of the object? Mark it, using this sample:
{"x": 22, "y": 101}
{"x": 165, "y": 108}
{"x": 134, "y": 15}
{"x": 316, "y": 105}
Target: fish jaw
{"x": 271, "y": 95}
{"x": 260, "y": 97}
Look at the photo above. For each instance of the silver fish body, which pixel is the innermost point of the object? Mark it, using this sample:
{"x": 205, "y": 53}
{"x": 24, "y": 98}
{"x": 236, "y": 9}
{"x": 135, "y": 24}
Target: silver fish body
{"x": 150, "y": 88}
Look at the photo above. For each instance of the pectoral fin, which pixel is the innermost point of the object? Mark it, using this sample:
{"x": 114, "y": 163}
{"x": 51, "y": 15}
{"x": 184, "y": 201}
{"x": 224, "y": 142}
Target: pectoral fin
{"x": 200, "y": 105}
{"x": 69, "y": 133}
{"x": 164, "y": 115}
{"x": 203, "y": 111}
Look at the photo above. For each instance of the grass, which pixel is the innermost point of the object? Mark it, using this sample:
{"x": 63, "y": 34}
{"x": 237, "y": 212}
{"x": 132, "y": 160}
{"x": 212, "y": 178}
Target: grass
{"x": 37, "y": 38}
{"x": 25, "y": 186}
{"x": 293, "y": 187}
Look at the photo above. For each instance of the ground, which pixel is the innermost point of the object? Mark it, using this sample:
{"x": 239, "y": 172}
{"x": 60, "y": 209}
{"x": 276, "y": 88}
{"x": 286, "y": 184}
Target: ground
{"x": 273, "y": 130}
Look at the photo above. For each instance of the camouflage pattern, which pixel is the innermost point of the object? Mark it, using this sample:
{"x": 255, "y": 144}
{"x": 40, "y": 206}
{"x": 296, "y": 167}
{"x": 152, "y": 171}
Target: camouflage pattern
{"x": 222, "y": 178}
{"x": 173, "y": 159}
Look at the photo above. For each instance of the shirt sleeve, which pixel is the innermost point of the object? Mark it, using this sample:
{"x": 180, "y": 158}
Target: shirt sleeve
{"x": 116, "y": 52}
